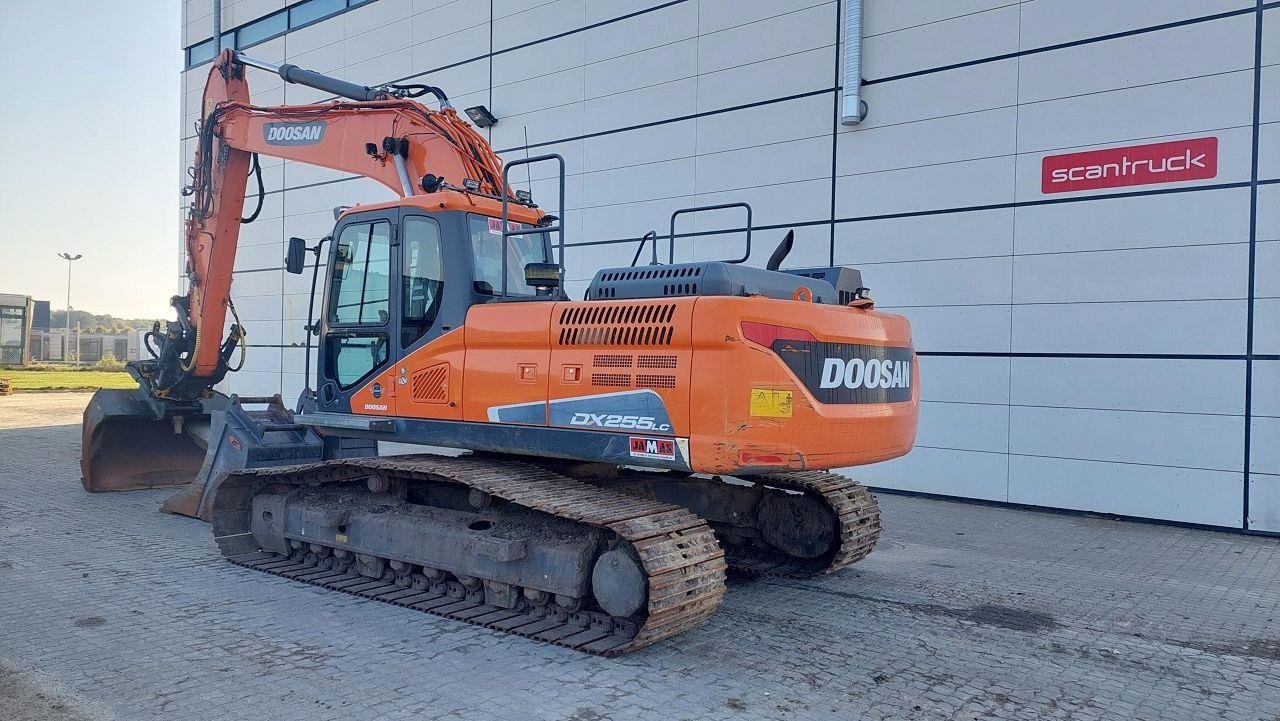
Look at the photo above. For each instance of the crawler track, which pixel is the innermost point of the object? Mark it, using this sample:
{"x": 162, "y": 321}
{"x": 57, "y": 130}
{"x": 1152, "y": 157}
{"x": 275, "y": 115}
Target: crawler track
{"x": 733, "y": 509}
{"x": 853, "y": 508}
{"x": 683, "y": 562}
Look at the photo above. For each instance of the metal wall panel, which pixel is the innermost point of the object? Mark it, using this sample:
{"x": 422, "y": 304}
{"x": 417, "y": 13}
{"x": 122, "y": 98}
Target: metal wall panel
{"x": 1085, "y": 350}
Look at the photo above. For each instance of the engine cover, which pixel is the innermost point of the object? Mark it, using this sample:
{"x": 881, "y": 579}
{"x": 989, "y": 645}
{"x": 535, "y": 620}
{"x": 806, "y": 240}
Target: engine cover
{"x": 723, "y": 279}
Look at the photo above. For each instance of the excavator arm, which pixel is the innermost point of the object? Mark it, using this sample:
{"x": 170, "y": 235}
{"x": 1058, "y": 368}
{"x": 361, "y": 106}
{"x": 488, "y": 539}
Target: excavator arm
{"x": 379, "y": 133}
{"x": 158, "y": 434}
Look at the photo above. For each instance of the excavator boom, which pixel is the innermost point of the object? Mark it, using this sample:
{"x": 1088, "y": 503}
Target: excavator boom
{"x": 393, "y": 140}
{"x": 378, "y": 133}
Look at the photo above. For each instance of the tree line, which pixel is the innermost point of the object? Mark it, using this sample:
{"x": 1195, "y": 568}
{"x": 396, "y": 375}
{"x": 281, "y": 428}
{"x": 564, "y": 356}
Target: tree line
{"x": 95, "y": 323}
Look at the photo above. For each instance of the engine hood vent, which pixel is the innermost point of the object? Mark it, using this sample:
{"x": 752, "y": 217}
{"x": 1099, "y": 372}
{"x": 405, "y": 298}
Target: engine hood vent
{"x": 717, "y": 278}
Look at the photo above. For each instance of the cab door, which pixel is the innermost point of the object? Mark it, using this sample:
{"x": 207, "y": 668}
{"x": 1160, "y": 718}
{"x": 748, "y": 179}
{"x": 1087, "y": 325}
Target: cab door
{"x": 357, "y": 332}
{"x": 427, "y": 375}
{"x": 380, "y": 358}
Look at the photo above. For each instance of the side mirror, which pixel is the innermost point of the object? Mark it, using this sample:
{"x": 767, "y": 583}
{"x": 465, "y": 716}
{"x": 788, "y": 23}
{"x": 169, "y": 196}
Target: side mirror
{"x": 296, "y": 259}
{"x": 543, "y": 276}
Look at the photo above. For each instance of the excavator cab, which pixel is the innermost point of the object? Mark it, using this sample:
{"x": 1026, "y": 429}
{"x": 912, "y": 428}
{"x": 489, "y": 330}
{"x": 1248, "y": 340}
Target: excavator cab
{"x": 401, "y": 276}
{"x": 404, "y": 273}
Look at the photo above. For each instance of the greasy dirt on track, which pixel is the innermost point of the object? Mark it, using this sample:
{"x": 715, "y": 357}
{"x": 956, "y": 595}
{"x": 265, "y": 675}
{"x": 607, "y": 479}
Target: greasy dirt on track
{"x": 962, "y": 612}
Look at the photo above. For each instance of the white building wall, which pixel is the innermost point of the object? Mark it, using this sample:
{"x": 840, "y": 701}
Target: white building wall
{"x": 1096, "y": 350}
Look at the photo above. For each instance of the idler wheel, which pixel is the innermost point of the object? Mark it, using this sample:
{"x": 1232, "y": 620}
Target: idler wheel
{"x": 619, "y": 583}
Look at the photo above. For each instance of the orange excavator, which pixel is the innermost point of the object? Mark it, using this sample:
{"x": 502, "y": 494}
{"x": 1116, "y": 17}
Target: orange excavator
{"x": 597, "y": 465}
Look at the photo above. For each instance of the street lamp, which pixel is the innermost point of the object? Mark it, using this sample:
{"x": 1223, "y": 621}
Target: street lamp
{"x": 66, "y": 341}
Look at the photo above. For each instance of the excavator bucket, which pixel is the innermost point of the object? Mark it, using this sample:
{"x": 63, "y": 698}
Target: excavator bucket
{"x": 125, "y": 447}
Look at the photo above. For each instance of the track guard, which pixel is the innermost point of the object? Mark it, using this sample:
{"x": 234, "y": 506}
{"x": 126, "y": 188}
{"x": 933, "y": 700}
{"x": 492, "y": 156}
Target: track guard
{"x": 241, "y": 439}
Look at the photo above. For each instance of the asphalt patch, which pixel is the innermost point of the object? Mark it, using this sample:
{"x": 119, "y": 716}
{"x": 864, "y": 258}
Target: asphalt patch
{"x": 1263, "y": 648}
{"x": 1017, "y": 619}
{"x": 987, "y": 614}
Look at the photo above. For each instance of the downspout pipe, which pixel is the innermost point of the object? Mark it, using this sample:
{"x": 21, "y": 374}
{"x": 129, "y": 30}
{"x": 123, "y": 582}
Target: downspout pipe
{"x": 853, "y": 109}
{"x": 217, "y": 25}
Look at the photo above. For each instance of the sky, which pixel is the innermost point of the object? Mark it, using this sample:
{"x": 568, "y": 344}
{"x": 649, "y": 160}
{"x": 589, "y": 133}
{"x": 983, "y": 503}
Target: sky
{"x": 89, "y": 126}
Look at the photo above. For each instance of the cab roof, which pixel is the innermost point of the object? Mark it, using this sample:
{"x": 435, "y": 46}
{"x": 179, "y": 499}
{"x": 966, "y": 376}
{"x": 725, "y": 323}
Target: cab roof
{"x": 454, "y": 200}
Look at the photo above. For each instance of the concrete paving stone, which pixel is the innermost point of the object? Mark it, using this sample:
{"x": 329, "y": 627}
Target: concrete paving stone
{"x": 963, "y": 612}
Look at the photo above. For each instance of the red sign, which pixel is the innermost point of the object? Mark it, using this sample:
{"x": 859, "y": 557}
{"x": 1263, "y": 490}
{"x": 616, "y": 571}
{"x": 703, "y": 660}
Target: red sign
{"x": 495, "y": 225}
{"x": 1171, "y": 162}
{"x": 662, "y": 448}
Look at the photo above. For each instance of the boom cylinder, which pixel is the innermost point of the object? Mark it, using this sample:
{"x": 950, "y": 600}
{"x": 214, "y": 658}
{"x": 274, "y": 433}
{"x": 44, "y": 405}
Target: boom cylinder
{"x": 300, "y": 76}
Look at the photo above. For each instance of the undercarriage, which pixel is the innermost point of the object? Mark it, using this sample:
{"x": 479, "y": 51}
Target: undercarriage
{"x": 595, "y": 558}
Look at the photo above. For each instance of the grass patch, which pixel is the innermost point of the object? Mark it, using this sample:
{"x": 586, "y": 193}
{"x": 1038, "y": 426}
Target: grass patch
{"x": 66, "y": 380}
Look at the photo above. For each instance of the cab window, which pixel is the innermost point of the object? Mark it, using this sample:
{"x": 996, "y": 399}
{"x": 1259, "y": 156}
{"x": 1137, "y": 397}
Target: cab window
{"x": 359, "y": 291}
{"x": 486, "y": 252}
{"x": 355, "y": 356}
{"x": 421, "y": 278}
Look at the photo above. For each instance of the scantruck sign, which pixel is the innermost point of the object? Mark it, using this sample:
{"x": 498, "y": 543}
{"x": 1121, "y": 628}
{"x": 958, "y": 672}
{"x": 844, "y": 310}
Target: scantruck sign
{"x": 1171, "y": 162}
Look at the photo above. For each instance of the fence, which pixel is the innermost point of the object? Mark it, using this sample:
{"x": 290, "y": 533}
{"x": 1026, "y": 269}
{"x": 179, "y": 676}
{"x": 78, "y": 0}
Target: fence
{"x": 84, "y": 348}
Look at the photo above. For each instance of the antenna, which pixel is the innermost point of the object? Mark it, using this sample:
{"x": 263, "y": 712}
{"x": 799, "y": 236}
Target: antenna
{"x": 528, "y": 169}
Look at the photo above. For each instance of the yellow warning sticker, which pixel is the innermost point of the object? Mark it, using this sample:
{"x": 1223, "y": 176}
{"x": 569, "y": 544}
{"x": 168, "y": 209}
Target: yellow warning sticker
{"x": 770, "y": 403}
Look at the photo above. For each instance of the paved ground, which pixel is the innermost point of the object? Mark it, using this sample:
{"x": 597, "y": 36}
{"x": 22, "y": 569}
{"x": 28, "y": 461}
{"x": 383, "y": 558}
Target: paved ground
{"x": 33, "y": 410}
{"x": 964, "y": 612}
{"x": 28, "y": 694}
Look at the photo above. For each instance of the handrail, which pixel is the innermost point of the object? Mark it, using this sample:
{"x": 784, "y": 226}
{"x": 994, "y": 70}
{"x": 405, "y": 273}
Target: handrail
{"x": 671, "y": 238}
{"x": 651, "y": 235}
{"x": 557, "y": 228}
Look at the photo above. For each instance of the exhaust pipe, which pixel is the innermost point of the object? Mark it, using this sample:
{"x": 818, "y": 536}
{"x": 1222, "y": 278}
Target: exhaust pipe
{"x": 782, "y": 251}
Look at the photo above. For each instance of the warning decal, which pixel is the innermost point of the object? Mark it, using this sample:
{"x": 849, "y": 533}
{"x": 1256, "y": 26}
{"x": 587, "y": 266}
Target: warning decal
{"x": 770, "y": 403}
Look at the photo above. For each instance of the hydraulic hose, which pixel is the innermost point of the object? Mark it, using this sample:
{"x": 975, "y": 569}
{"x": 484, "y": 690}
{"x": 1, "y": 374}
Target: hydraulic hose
{"x": 256, "y": 170}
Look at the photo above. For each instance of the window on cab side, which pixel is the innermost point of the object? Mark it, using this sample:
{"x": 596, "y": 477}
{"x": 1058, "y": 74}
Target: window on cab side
{"x": 486, "y": 254}
{"x": 421, "y": 278}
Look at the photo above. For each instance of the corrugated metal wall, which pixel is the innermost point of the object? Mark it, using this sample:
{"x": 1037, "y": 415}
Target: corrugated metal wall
{"x": 1114, "y": 350}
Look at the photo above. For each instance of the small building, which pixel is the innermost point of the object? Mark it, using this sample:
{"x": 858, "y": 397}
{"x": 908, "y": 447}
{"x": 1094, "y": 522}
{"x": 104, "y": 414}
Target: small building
{"x": 40, "y": 321}
{"x": 16, "y": 313}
